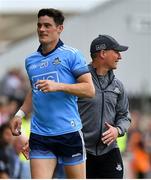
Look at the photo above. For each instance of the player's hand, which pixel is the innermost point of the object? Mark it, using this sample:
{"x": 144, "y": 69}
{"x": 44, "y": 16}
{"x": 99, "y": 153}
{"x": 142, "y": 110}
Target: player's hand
{"x": 15, "y": 126}
{"x": 47, "y": 85}
{"x": 25, "y": 150}
{"x": 110, "y": 134}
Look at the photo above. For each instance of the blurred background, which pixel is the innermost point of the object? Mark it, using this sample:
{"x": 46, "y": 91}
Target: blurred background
{"x": 128, "y": 21}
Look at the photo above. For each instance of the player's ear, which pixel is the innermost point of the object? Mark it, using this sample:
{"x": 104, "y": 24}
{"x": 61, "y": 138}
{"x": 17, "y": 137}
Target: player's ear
{"x": 60, "y": 28}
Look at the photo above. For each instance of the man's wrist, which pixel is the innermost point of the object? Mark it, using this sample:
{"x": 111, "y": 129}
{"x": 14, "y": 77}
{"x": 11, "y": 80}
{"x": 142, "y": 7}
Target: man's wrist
{"x": 119, "y": 131}
{"x": 20, "y": 113}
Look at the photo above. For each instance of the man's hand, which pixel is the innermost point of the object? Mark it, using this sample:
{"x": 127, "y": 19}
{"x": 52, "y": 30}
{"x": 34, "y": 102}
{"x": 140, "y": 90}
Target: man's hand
{"x": 47, "y": 85}
{"x": 25, "y": 150}
{"x": 110, "y": 134}
{"x": 15, "y": 126}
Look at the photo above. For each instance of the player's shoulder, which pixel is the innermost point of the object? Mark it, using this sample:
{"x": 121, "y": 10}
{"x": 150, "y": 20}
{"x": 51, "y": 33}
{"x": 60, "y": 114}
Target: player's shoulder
{"x": 32, "y": 56}
{"x": 36, "y": 53}
{"x": 68, "y": 49}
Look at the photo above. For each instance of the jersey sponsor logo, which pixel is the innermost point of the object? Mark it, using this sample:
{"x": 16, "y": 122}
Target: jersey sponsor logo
{"x": 56, "y": 61}
{"x": 43, "y": 64}
{"x": 34, "y": 66}
{"x": 53, "y": 76}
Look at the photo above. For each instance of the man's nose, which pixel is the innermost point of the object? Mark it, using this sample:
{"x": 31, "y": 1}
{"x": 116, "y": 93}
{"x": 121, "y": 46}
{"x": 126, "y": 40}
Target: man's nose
{"x": 42, "y": 28}
{"x": 119, "y": 55}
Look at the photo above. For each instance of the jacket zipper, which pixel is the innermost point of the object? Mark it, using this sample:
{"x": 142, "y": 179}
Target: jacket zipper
{"x": 102, "y": 110}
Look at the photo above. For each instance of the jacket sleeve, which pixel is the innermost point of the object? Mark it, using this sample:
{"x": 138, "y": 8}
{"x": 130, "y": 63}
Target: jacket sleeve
{"x": 122, "y": 119}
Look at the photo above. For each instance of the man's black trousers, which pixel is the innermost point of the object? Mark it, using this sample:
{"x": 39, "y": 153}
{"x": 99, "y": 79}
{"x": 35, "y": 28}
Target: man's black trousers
{"x": 107, "y": 166}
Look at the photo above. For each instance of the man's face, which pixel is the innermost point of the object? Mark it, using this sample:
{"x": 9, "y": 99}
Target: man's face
{"x": 111, "y": 59}
{"x": 47, "y": 30}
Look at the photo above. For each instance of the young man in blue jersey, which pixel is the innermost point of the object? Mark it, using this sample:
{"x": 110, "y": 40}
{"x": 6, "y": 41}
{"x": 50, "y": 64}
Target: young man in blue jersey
{"x": 58, "y": 75}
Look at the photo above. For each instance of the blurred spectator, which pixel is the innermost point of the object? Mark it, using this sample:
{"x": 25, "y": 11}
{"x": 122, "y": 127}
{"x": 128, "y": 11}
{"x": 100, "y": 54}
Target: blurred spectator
{"x": 13, "y": 106}
{"x": 8, "y": 156}
{"x": 139, "y": 161}
{"x": 8, "y": 106}
{"x": 122, "y": 142}
{"x": 14, "y": 84}
{"x": 148, "y": 138}
{"x": 4, "y": 115}
{"x": 4, "y": 174}
{"x": 25, "y": 129}
{"x": 147, "y": 141}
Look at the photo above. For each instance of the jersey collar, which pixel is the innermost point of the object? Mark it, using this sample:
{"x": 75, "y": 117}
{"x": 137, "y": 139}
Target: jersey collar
{"x": 60, "y": 43}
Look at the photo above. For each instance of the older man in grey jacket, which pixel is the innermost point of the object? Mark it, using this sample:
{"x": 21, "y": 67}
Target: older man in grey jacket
{"x": 105, "y": 116}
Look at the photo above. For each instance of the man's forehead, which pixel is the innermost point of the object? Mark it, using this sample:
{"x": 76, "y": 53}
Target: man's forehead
{"x": 45, "y": 19}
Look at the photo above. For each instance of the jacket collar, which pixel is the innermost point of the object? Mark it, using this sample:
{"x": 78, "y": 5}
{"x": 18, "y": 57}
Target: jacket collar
{"x": 95, "y": 76}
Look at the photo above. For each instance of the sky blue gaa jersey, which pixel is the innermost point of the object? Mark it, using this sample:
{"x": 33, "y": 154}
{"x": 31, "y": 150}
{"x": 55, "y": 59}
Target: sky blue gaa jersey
{"x": 55, "y": 113}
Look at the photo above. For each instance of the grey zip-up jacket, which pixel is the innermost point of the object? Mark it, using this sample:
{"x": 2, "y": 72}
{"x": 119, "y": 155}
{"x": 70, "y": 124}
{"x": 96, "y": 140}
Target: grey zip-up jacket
{"x": 110, "y": 104}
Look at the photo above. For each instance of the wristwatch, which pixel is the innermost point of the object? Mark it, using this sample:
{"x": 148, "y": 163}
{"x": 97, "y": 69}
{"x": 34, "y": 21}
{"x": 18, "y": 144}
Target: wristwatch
{"x": 119, "y": 131}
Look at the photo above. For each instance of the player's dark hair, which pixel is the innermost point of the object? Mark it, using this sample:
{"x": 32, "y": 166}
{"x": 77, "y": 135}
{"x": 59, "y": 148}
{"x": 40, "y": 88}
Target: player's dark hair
{"x": 57, "y": 15}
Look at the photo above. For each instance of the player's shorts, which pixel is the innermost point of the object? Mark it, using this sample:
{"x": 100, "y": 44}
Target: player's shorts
{"x": 68, "y": 148}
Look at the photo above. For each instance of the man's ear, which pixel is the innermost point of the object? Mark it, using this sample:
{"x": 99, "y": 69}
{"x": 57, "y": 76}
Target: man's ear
{"x": 102, "y": 53}
{"x": 60, "y": 28}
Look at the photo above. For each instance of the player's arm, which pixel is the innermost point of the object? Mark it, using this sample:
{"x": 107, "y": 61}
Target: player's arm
{"x": 27, "y": 105}
{"x": 83, "y": 88}
{"x": 16, "y": 121}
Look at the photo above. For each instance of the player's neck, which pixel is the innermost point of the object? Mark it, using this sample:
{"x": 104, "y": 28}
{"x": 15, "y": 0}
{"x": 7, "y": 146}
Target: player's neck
{"x": 46, "y": 48}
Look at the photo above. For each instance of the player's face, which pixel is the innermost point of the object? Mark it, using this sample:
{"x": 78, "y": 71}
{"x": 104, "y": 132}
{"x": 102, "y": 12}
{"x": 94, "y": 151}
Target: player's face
{"x": 47, "y": 29}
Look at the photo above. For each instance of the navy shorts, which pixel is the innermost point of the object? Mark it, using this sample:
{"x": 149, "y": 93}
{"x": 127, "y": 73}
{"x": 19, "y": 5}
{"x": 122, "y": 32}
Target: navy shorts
{"x": 68, "y": 148}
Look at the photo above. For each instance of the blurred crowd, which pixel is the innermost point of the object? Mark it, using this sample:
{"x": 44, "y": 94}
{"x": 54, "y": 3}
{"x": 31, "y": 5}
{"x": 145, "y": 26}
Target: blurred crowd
{"x": 135, "y": 146}
{"x": 13, "y": 88}
{"x": 138, "y": 146}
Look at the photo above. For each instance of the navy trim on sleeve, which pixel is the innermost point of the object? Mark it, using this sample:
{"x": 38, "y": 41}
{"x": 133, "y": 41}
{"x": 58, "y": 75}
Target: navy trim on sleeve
{"x": 80, "y": 72}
